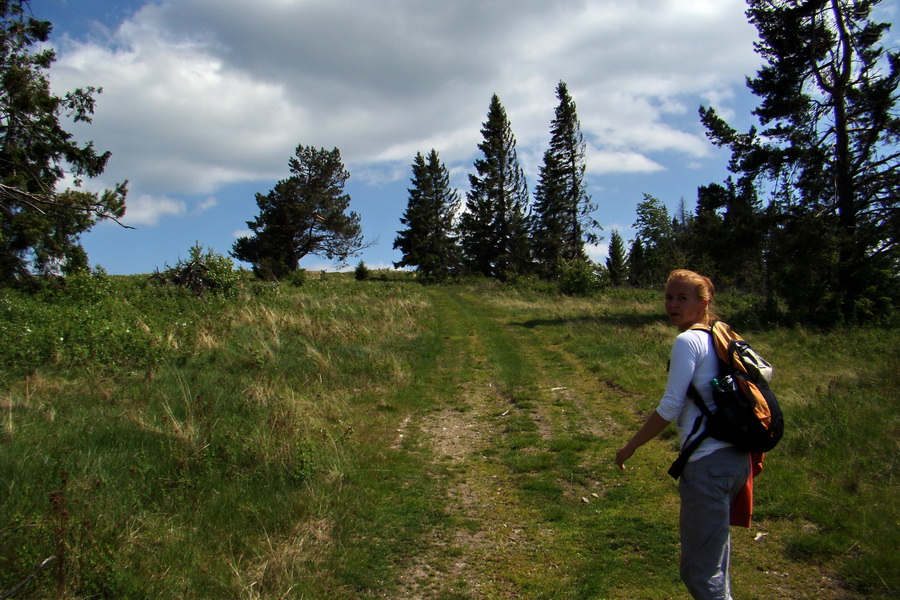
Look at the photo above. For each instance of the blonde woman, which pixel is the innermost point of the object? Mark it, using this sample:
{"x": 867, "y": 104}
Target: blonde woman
{"x": 717, "y": 471}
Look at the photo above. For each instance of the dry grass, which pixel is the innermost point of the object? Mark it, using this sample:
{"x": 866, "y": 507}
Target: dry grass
{"x": 370, "y": 440}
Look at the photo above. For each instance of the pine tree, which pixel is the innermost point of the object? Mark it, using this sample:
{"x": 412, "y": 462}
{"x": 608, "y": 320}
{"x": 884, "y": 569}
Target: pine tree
{"x": 615, "y": 262}
{"x": 40, "y": 227}
{"x": 562, "y": 220}
{"x": 428, "y": 241}
{"x": 493, "y": 228}
{"x": 303, "y": 214}
{"x": 828, "y": 151}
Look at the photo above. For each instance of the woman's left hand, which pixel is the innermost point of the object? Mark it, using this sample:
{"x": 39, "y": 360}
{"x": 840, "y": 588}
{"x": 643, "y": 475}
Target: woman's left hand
{"x": 624, "y": 454}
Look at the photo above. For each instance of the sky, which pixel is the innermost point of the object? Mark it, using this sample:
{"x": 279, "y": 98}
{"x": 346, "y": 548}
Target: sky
{"x": 205, "y": 101}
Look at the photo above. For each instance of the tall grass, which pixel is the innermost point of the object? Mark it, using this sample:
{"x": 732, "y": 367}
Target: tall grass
{"x": 161, "y": 445}
{"x": 829, "y": 488}
{"x": 839, "y": 466}
{"x": 158, "y": 444}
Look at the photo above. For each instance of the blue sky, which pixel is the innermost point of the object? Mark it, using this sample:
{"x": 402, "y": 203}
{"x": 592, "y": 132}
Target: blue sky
{"x": 204, "y": 102}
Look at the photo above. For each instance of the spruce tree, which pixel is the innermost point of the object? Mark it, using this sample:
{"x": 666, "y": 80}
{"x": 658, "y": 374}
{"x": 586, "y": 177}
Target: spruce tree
{"x": 562, "y": 220}
{"x": 615, "y": 262}
{"x": 428, "y": 242}
{"x": 637, "y": 267}
{"x": 707, "y": 239}
{"x": 548, "y": 230}
{"x": 827, "y": 154}
{"x": 494, "y": 229}
{"x": 39, "y": 226}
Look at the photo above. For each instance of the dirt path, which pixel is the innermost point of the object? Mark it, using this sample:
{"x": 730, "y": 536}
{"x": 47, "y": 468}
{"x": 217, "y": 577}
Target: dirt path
{"x": 495, "y": 543}
{"x": 522, "y": 451}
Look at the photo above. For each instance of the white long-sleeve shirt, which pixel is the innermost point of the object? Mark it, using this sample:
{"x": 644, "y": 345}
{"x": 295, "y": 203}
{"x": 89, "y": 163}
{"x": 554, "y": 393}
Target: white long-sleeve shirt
{"x": 693, "y": 360}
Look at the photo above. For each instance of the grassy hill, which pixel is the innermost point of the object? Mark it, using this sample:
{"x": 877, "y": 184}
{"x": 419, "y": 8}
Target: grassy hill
{"x": 381, "y": 439}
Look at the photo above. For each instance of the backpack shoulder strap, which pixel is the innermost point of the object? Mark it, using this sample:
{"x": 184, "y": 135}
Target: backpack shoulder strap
{"x": 678, "y": 466}
{"x": 682, "y": 460}
{"x": 694, "y": 395}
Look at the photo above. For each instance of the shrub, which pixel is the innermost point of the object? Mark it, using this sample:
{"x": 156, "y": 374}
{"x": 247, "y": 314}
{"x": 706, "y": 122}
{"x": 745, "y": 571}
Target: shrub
{"x": 87, "y": 286}
{"x": 579, "y": 278}
{"x": 87, "y": 320}
{"x": 297, "y": 277}
{"x": 202, "y": 273}
{"x": 362, "y": 271}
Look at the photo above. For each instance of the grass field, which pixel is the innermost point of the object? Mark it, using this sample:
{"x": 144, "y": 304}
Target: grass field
{"x": 380, "y": 439}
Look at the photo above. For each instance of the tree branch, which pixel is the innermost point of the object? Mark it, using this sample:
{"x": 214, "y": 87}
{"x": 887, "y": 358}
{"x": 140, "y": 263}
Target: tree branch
{"x": 35, "y": 201}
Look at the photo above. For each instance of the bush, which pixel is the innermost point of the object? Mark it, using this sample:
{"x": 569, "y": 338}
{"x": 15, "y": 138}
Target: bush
{"x": 86, "y": 320}
{"x": 533, "y": 283}
{"x": 202, "y": 273}
{"x": 87, "y": 286}
{"x": 579, "y": 278}
{"x": 297, "y": 277}
{"x": 362, "y": 271}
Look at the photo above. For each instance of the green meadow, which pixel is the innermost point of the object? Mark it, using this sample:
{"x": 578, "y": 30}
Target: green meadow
{"x": 380, "y": 439}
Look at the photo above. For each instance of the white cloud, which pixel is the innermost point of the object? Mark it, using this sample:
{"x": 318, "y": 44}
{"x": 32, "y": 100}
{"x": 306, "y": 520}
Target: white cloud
{"x": 175, "y": 119}
{"x": 208, "y": 203}
{"x": 148, "y": 210}
{"x": 622, "y": 161}
{"x": 597, "y": 252}
{"x": 202, "y": 93}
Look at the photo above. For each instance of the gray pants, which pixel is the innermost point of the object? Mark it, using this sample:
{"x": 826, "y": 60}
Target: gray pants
{"x": 707, "y": 487}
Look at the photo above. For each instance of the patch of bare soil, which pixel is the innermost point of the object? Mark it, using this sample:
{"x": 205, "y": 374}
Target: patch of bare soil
{"x": 458, "y": 559}
{"x": 493, "y": 533}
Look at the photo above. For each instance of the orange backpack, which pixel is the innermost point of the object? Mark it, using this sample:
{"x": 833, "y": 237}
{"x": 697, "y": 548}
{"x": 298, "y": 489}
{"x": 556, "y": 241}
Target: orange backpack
{"x": 747, "y": 412}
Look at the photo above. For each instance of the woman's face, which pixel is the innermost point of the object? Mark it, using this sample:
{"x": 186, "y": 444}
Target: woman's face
{"x": 684, "y": 306}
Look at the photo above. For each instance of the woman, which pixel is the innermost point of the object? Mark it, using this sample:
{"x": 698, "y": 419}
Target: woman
{"x": 716, "y": 471}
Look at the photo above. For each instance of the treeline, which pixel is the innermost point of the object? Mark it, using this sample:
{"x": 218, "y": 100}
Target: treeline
{"x": 500, "y": 233}
{"x": 808, "y": 219}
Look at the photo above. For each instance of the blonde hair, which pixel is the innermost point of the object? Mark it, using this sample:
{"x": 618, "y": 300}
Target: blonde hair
{"x": 702, "y": 284}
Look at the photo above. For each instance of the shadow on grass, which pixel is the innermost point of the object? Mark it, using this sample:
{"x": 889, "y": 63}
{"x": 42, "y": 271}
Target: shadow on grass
{"x": 740, "y": 321}
{"x": 622, "y": 319}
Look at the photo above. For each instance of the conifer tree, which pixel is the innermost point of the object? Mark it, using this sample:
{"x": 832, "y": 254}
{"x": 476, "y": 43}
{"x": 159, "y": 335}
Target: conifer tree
{"x": 306, "y": 213}
{"x": 562, "y": 220}
{"x": 707, "y": 238}
{"x": 547, "y": 222}
{"x": 494, "y": 229}
{"x": 39, "y": 226}
{"x": 726, "y": 237}
{"x": 428, "y": 242}
{"x": 827, "y": 156}
{"x": 637, "y": 267}
{"x": 615, "y": 262}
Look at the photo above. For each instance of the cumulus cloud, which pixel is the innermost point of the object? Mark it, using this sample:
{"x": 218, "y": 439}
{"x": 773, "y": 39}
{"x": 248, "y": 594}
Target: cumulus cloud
{"x": 148, "y": 210}
{"x": 620, "y": 161}
{"x": 202, "y": 93}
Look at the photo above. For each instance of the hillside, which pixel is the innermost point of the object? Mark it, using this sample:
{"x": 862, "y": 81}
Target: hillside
{"x": 381, "y": 439}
